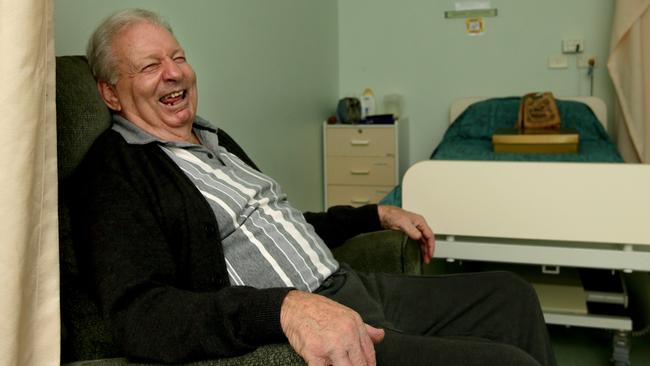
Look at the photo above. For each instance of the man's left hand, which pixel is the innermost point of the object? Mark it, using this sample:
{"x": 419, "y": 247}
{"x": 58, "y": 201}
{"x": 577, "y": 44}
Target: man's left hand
{"x": 414, "y": 225}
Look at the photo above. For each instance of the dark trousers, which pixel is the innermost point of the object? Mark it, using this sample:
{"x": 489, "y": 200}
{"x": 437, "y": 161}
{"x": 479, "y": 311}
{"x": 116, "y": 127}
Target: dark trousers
{"x": 490, "y": 318}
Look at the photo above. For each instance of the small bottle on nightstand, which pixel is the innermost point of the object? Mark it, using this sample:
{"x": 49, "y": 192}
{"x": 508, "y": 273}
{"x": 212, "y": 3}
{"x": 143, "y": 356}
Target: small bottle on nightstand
{"x": 367, "y": 103}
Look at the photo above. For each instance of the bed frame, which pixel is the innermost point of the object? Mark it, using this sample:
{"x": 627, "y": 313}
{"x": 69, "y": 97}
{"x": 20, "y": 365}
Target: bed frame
{"x": 584, "y": 215}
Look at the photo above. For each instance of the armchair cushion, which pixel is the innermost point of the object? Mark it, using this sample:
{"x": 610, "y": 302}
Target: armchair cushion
{"x": 269, "y": 355}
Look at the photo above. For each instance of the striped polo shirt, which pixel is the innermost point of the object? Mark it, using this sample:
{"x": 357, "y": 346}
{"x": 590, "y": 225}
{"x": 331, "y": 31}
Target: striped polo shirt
{"x": 266, "y": 242}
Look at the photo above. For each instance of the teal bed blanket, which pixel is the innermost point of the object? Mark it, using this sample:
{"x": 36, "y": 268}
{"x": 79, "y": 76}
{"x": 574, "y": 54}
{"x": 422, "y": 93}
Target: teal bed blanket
{"x": 469, "y": 137}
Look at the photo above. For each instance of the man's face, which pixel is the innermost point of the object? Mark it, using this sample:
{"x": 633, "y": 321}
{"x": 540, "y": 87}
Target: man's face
{"x": 156, "y": 88}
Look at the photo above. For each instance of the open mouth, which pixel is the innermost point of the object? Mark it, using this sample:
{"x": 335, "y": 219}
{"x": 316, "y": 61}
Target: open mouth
{"x": 173, "y": 98}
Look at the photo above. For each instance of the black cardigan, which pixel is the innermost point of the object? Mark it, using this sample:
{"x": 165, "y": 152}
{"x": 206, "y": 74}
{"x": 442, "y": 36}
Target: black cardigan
{"x": 149, "y": 243}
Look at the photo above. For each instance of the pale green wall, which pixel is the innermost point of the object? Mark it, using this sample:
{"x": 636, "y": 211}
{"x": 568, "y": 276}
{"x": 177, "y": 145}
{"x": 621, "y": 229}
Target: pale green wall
{"x": 267, "y": 74}
{"x": 408, "y": 47}
{"x": 271, "y": 71}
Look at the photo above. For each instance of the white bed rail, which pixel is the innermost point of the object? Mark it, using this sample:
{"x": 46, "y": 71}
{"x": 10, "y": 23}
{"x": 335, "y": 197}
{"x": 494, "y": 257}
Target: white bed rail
{"x": 569, "y": 214}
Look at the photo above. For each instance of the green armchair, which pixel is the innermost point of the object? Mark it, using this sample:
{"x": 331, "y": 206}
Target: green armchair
{"x": 81, "y": 117}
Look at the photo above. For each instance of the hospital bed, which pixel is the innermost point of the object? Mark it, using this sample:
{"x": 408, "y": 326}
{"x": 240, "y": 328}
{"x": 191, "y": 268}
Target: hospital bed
{"x": 474, "y": 120}
{"x": 552, "y": 214}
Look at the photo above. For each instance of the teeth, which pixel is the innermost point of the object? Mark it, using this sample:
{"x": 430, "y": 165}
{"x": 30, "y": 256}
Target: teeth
{"x": 173, "y": 95}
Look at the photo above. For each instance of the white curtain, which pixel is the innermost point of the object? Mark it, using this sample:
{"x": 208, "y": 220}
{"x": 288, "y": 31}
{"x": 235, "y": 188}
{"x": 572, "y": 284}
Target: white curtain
{"x": 29, "y": 274}
{"x": 629, "y": 68}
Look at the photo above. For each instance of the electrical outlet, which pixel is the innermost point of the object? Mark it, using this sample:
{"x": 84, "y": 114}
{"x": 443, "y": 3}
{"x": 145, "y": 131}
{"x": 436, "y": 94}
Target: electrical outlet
{"x": 558, "y": 62}
{"x": 583, "y": 60}
{"x": 573, "y": 45}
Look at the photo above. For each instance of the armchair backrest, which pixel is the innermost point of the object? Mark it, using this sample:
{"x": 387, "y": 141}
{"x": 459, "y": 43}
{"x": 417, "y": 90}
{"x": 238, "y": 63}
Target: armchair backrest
{"x": 81, "y": 116}
{"x": 80, "y": 112}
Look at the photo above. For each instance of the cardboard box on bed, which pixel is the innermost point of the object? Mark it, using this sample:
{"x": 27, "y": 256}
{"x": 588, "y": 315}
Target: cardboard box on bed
{"x": 513, "y": 140}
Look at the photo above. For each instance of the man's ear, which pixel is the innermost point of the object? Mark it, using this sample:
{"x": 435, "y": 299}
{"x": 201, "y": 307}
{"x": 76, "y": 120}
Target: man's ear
{"x": 109, "y": 94}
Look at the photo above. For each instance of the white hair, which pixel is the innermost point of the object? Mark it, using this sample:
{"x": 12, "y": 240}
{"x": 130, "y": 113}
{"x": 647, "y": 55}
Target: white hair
{"x": 99, "y": 52}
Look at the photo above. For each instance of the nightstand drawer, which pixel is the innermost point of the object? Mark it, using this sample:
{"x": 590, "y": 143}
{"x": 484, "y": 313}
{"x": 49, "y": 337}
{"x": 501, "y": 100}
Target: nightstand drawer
{"x": 355, "y": 195}
{"x": 360, "y": 170}
{"x": 361, "y": 141}
{"x": 360, "y": 162}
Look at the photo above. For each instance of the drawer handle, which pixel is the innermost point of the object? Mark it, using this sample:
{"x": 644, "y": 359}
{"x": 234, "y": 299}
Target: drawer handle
{"x": 360, "y": 201}
{"x": 359, "y": 172}
{"x": 360, "y": 142}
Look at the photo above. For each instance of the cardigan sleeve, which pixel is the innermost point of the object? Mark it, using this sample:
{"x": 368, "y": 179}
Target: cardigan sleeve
{"x": 133, "y": 265}
{"x": 340, "y": 223}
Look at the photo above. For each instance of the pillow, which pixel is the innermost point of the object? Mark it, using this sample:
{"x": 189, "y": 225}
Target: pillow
{"x": 481, "y": 119}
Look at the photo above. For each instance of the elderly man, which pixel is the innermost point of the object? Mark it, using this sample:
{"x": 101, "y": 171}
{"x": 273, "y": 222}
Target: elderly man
{"x": 195, "y": 254}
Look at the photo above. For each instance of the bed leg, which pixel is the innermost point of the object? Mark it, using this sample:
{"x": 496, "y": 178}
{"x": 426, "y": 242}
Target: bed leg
{"x": 621, "y": 343}
{"x": 450, "y": 238}
{"x": 628, "y": 248}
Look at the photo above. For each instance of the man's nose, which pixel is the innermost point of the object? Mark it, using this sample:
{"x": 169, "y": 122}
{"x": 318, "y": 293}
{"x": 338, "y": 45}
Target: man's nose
{"x": 171, "y": 70}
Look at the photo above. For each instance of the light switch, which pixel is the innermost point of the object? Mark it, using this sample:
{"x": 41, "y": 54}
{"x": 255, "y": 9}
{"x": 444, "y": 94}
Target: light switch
{"x": 558, "y": 62}
{"x": 573, "y": 45}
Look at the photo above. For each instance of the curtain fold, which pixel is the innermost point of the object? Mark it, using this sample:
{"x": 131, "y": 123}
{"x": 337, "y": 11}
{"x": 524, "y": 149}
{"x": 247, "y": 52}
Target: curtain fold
{"x": 29, "y": 270}
{"x": 629, "y": 68}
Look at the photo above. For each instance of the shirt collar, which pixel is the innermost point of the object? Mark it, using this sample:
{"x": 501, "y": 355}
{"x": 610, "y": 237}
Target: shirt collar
{"x": 134, "y": 135}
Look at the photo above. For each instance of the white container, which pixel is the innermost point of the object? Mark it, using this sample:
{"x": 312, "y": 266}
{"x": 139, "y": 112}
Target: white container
{"x": 368, "y": 103}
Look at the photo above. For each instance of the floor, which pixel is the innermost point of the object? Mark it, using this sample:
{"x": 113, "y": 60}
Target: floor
{"x": 593, "y": 347}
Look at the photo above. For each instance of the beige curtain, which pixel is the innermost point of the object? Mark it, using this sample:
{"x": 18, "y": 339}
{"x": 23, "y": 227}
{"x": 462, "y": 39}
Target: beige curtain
{"x": 29, "y": 295}
{"x": 629, "y": 68}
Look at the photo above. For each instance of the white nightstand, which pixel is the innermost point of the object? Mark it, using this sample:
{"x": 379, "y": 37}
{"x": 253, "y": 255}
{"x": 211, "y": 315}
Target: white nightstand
{"x": 361, "y": 162}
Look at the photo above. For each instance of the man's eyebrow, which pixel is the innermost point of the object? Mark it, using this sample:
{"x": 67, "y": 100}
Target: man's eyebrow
{"x": 144, "y": 61}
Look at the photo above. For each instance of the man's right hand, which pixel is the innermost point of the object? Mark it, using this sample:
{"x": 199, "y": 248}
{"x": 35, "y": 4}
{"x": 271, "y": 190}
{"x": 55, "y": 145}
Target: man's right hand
{"x": 324, "y": 332}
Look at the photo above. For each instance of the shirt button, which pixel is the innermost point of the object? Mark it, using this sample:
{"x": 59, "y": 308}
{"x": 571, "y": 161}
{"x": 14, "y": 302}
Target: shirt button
{"x": 209, "y": 229}
{"x": 210, "y": 156}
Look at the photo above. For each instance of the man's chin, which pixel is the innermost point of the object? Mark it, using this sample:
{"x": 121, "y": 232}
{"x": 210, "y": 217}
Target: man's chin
{"x": 180, "y": 118}
{"x": 181, "y": 111}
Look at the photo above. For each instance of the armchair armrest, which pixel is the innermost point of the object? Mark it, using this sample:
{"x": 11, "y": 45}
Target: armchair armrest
{"x": 385, "y": 251}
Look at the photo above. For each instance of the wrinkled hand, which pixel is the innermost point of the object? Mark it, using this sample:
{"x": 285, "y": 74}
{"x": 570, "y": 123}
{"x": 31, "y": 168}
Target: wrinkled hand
{"x": 324, "y": 332}
{"x": 414, "y": 225}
